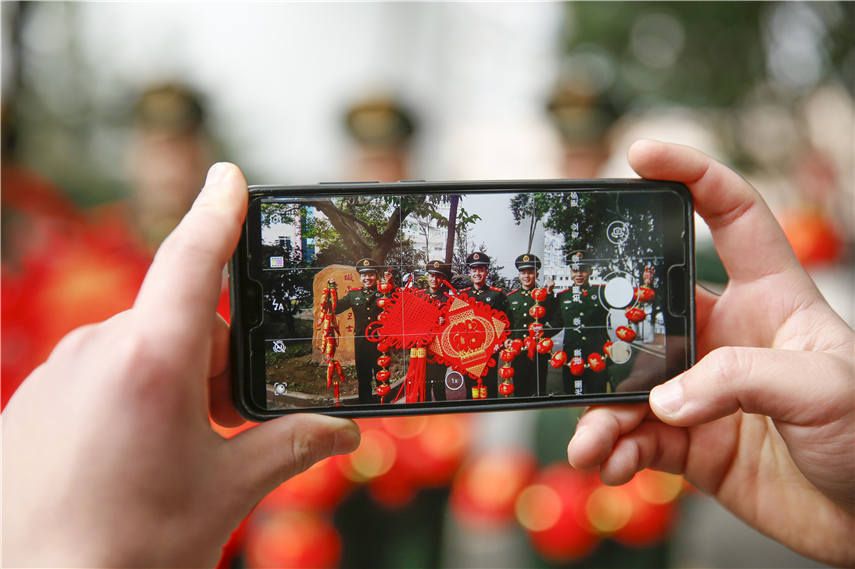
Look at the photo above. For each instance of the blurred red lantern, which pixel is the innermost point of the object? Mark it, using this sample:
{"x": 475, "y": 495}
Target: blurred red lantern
{"x": 383, "y": 375}
{"x": 517, "y": 345}
{"x": 385, "y": 287}
{"x": 506, "y": 389}
{"x": 384, "y": 361}
{"x": 625, "y": 334}
{"x": 635, "y": 314}
{"x": 607, "y": 348}
{"x": 383, "y": 389}
{"x": 486, "y": 488}
{"x": 812, "y": 236}
{"x": 644, "y": 294}
{"x": 596, "y": 363}
{"x": 535, "y": 329}
{"x": 506, "y": 372}
{"x": 507, "y": 355}
{"x": 539, "y": 294}
{"x": 544, "y": 346}
{"x": 577, "y": 365}
{"x": 382, "y": 302}
{"x": 552, "y": 510}
{"x": 558, "y": 359}
{"x": 292, "y": 538}
{"x": 639, "y": 513}
{"x": 537, "y": 311}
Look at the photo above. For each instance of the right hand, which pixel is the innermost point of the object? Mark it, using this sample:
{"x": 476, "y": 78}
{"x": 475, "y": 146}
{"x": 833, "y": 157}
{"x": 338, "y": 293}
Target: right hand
{"x": 765, "y": 421}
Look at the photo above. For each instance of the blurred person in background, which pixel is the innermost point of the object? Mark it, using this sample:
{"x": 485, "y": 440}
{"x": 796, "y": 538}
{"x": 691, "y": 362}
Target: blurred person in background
{"x": 382, "y": 129}
{"x": 74, "y": 268}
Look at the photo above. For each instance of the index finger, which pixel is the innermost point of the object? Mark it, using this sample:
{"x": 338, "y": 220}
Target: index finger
{"x": 736, "y": 214}
{"x": 179, "y": 295}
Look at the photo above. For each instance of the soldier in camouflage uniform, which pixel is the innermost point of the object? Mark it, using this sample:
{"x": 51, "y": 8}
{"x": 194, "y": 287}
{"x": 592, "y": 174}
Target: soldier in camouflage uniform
{"x": 493, "y": 297}
{"x": 363, "y": 301}
{"x": 529, "y": 375}
{"x": 585, "y": 322}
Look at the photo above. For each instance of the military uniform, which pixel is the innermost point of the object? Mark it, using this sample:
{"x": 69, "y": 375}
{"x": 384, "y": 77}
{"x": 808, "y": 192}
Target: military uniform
{"x": 435, "y": 372}
{"x": 496, "y": 299}
{"x": 529, "y": 375}
{"x": 585, "y": 321}
{"x": 363, "y": 302}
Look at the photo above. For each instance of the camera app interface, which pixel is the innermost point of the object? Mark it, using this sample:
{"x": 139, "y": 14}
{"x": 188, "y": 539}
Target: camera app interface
{"x": 402, "y": 299}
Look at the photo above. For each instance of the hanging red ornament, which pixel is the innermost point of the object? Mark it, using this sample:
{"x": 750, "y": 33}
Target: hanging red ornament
{"x": 539, "y": 294}
{"x": 384, "y": 361}
{"x": 596, "y": 363}
{"x": 577, "y": 365}
{"x": 507, "y": 355}
{"x": 383, "y": 375}
{"x": 558, "y": 359}
{"x": 625, "y": 334}
{"x": 544, "y": 346}
{"x": 385, "y": 287}
{"x": 292, "y": 538}
{"x": 607, "y": 349}
{"x": 517, "y": 346}
{"x": 537, "y": 311}
{"x": 635, "y": 314}
{"x": 506, "y": 372}
{"x": 382, "y": 302}
{"x": 644, "y": 294}
{"x": 506, "y": 389}
{"x": 383, "y": 389}
{"x": 535, "y": 329}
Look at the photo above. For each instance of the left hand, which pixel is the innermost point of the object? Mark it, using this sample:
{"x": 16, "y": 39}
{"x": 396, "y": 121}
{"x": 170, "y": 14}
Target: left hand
{"x": 109, "y": 456}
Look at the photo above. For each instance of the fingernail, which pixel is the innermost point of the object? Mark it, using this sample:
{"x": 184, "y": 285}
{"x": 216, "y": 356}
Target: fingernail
{"x": 346, "y": 440}
{"x": 216, "y": 173}
{"x": 668, "y": 397}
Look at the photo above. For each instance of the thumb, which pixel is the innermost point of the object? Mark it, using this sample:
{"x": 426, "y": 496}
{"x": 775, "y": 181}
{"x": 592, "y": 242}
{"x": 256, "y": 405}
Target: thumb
{"x": 274, "y": 451}
{"x": 795, "y": 387}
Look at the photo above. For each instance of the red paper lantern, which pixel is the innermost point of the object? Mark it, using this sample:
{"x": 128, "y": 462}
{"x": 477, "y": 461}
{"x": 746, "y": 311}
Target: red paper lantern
{"x": 577, "y": 365}
{"x": 539, "y": 294}
{"x": 383, "y": 389}
{"x": 507, "y": 355}
{"x": 292, "y": 538}
{"x": 383, "y": 375}
{"x": 552, "y": 510}
{"x": 544, "y": 346}
{"x": 320, "y": 487}
{"x": 516, "y": 345}
{"x": 384, "y": 287}
{"x": 644, "y": 294}
{"x": 596, "y": 363}
{"x": 506, "y": 389}
{"x": 506, "y": 372}
{"x": 537, "y": 311}
{"x": 607, "y": 348}
{"x": 382, "y": 302}
{"x": 535, "y": 329}
{"x": 625, "y": 334}
{"x": 635, "y": 314}
{"x": 558, "y": 359}
{"x": 384, "y": 361}
{"x": 485, "y": 490}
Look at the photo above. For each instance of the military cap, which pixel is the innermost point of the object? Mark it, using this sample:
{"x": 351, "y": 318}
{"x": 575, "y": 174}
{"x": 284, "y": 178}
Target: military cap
{"x": 438, "y": 268}
{"x": 169, "y": 108}
{"x": 580, "y": 259}
{"x": 478, "y": 259}
{"x": 366, "y": 266}
{"x": 581, "y": 113}
{"x": 528, "y": 261}
{"x": 380, "y": 122}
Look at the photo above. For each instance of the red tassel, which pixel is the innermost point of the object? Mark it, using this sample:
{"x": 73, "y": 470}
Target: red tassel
{"x": 415, "y": 380}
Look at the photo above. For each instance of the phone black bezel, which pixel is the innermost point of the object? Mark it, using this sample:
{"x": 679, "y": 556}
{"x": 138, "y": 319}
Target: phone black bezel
{"x": 249, "y": 384}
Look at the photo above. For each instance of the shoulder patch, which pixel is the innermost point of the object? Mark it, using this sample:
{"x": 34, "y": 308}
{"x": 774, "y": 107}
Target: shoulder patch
{"x": 354, "y": 289}
{"x": 465, "y": 289}
{"x": 495, "y": 288}
{"x": 513, "y": 291}
{"x": 562, "y": 291}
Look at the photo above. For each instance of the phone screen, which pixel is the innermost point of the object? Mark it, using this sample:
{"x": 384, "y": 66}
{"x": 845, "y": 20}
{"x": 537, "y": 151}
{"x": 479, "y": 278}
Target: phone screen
{"x": 454, "y": 298}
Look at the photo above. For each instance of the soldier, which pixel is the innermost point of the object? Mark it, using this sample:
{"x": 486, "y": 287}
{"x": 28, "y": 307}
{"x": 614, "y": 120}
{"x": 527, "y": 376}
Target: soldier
{"x": 438, "y": 274}
{"x": 585, "y": 322}
{"x": 529, "y": 375}
{"x": 363, "y": 302}
{"x": 492, "y": 296}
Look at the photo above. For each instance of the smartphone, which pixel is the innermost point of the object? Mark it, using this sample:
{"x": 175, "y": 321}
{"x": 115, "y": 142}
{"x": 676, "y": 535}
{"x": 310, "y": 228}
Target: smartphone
{"x": 372, "y": 299}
